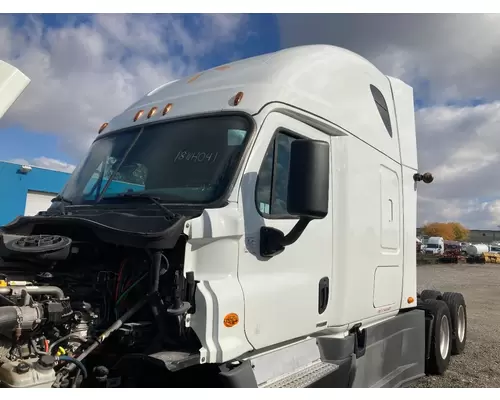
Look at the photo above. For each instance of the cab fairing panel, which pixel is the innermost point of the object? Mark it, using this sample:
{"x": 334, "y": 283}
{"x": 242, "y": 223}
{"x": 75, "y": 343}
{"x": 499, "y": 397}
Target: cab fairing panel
{"x": 212, "y": 254}
{"x": 327, "y": 81}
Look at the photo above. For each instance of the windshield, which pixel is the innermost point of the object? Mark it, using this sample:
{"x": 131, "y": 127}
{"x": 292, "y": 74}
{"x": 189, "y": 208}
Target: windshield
{"x": 432, "y": 246}
{"x": 189, "y": 161}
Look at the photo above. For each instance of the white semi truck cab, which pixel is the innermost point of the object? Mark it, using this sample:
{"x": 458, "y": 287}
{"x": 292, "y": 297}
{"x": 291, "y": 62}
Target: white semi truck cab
{"x": 211, "y": 237}
{"x": 435, "y": 245}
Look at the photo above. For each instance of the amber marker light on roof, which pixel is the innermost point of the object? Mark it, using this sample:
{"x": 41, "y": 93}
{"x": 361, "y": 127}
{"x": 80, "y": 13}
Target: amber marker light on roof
{"x": 103, "y": 126}
{"x": 195, "y": 77}
{"x": 138, "y": 115}
{"x": 152, "y": 112}
{"x": 167, "y": 108}
{"x": 238, "y": 98}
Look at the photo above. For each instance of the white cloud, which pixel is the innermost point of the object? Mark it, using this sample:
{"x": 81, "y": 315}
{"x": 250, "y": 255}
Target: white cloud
{"x": 447, "y": 58}
{"x": 84, "y": 74}
{"x": 461, "y": 147}
{"x": 459, "y": 54}
{"x": 45, "y": 162}
{"x": 474, "y": 214}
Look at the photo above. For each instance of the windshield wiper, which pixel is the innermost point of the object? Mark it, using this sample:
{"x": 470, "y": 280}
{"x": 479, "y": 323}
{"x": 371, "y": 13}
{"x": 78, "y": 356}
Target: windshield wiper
{"x": 153, "y": 199}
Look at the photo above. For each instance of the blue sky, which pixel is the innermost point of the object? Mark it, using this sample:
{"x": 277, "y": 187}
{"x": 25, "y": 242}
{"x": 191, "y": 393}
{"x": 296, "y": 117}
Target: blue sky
{"x": 20, "y": 143}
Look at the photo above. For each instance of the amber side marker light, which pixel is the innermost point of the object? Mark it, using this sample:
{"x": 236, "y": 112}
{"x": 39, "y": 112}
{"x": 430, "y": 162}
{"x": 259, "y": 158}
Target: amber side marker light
{"x": 167, "y": 108}
{"x": 103, "y": 126}
{"x": 410, "y": 300}
{"x": 152, "y": 112}
{"x": 238, "y": 98}
{"x": 231, "y": 320}
{"x": 138, "y": 115}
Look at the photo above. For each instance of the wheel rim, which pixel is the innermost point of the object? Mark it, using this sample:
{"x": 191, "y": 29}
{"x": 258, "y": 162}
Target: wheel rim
{"x": 444, "y": 337}
{"x": 461, "y": 323}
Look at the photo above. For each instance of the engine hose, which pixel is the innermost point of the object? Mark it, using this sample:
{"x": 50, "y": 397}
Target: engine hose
{"x": 60, "y": 340}
{"x": 8, "y": 317}
{"x": 75, "y": 362}
{"x": 116, "y": 325}
{"x": 38, "y": 352}
{"x": 155, "y": 276}
{"x": 6, "y": 300}
{"x": 37, "y": 290}
{"x": 155, "y": 285}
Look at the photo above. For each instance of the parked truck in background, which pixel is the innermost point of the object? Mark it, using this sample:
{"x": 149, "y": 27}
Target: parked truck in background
{"x": 477, "y": 249}
{"x": 210, "y": 237}
{"x": 435, "y": 245}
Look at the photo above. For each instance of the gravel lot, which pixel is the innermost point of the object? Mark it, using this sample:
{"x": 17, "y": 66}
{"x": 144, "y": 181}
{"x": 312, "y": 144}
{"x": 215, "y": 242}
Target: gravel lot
{"x": 479, "y": 365}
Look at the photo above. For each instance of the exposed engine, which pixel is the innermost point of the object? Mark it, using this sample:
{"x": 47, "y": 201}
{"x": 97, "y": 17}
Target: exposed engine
{"x": 77, "y": 313}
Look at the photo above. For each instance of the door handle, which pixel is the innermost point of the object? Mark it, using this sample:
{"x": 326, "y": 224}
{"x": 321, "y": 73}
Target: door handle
{"x": 323, "y": 294}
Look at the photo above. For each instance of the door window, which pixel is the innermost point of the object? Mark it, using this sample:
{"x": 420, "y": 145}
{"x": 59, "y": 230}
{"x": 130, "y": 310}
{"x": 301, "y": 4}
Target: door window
{"x": 272, "y": 181}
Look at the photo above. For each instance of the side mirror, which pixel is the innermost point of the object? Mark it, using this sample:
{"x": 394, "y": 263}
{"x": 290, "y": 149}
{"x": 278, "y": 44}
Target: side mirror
{"x": 309, "y": 179}
{"x": 308, "y": 193}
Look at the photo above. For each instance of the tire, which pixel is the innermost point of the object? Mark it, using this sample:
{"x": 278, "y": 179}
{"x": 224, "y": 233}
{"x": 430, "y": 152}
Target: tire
{"x": 458, "y": 313}
{"x": 430, "y": 295}
{"x": 440, "y": 346}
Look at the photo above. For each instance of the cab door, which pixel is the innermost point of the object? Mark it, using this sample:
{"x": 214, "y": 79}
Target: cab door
{"x": 286, "y": 296}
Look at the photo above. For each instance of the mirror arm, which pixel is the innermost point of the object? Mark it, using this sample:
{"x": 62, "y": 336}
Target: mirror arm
{"x": 296, "y": 231}
{"x": 273, "y": 241}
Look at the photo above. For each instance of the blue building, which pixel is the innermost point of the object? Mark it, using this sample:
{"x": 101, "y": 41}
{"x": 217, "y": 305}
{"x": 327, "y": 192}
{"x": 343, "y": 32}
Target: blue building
{"x": 26, "y": 190}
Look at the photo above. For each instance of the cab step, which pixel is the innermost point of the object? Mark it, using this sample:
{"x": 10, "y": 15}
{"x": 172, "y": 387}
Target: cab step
{"x": 302, "y": 377}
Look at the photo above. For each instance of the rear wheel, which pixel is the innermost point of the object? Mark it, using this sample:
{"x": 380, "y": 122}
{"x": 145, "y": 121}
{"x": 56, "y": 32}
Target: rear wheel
{"x": 440, "y": 346}
{"x": 430, "y": 295}
{"x": 458, "y": 313}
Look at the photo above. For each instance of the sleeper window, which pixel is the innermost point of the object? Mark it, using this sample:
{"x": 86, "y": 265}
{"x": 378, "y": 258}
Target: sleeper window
{"x": 382, "y": 108}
